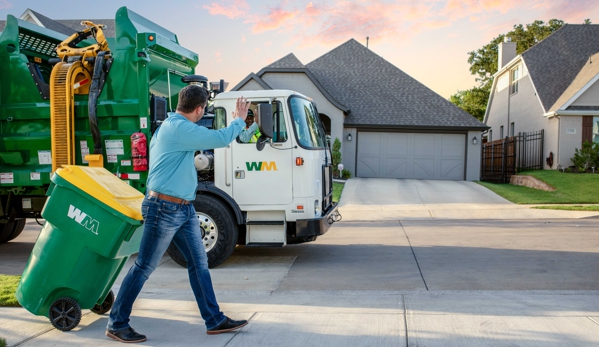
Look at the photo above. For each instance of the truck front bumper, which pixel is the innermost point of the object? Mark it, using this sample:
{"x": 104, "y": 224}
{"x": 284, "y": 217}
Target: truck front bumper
{"x": 306, "y": 228}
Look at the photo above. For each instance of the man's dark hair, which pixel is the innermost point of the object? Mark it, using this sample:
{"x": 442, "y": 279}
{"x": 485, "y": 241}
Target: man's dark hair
{"x": 191, "y": 97}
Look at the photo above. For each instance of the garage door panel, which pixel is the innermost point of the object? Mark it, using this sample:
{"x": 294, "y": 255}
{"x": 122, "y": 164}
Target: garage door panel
{"x": 396, "y": 168}
{"x": 424, "y": 169}
{"x": 452, "y": 169}
{"x": 411, "y": 155}
{"x": 369, "y": 167}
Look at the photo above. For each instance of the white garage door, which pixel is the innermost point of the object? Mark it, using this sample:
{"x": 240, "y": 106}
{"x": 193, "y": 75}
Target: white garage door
{"x": 411, "y": 155}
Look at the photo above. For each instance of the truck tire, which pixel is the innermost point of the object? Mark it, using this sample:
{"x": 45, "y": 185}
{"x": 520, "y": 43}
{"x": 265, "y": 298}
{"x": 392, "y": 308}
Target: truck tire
{"x": 6, "y": 231}
{"x": 219, "y": 229}
{"x": 19, "y": 225}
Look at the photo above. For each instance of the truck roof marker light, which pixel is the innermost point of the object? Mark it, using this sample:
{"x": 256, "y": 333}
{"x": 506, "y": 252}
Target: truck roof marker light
{"x": 151, "y": 37}
{"x": 299, "y": 161}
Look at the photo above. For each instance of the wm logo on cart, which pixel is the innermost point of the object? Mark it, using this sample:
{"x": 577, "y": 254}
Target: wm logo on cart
{"x": 82, "y": 218}
{"x": 261, "y": 166}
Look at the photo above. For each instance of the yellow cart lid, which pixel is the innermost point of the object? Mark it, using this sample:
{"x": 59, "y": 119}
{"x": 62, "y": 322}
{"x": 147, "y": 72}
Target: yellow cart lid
{"x": 106, "y": 187}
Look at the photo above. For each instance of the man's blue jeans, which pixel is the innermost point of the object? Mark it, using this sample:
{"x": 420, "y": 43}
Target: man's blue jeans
{"x": 165, "y": 221}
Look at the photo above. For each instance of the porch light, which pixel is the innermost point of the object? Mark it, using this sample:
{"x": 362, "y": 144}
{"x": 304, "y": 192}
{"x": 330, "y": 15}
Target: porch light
{"x": 348, "y": 137}
{"x": 474, "y": 140}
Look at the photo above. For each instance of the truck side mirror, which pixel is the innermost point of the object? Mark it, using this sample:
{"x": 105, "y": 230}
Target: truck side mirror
{"x": 264, "y": 119}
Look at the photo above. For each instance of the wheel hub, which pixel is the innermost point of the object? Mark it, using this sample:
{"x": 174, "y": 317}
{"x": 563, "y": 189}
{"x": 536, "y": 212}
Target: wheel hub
{"x": 210, "y": 231}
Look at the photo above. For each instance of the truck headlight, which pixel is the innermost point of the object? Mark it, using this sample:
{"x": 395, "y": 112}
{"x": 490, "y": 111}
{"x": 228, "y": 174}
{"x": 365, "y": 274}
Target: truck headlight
{"x": 316, "y": 208}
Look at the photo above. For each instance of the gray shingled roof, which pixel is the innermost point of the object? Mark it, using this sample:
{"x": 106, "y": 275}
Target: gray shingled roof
{"x": 53, "y": 25}
{"x": 554, "y": 62}
{"x": 69, "y": 26}
{"x": 289, "y": 61}
{"x": 378, "y": 93}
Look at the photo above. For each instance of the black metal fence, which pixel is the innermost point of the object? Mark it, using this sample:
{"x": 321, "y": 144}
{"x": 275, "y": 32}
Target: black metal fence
{"x": 505, "y": 157}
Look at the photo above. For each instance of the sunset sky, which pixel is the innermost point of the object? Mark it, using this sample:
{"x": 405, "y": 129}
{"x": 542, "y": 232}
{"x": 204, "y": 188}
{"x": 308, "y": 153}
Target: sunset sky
{"x": 427, "y": 39}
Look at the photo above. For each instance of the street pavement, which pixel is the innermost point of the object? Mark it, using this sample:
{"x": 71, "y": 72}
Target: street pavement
{"x": 426, "y": 281}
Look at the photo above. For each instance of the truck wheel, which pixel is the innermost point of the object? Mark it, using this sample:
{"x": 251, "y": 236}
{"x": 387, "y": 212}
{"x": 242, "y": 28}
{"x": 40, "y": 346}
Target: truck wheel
{"x": 5, "y": 231}
{"x": 219, "y": 228}
{"x": 19, "y": 225}
{"x": 65, "y": 314}
{"x": 106, "y": 305}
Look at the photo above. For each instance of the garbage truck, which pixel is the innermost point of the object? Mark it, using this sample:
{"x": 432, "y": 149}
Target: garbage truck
{"x": 94, "y": 100}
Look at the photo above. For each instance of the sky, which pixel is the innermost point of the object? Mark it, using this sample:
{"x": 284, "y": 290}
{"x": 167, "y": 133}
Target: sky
{"x": 427, "y": 39}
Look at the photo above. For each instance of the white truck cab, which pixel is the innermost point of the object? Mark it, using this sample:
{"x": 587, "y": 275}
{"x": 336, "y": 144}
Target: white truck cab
{"x": 273, "y": 192}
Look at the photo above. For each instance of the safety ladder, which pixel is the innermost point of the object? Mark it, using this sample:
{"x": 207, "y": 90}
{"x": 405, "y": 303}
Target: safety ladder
{"x": 62, "y": 111}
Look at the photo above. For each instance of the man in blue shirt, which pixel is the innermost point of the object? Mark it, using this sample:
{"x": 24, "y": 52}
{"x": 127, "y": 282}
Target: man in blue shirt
{"x": 169, "y": 213}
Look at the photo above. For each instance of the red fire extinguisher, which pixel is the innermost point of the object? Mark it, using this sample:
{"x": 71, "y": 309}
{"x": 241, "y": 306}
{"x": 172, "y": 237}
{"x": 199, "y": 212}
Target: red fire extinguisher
{"x": 139, "y": 151}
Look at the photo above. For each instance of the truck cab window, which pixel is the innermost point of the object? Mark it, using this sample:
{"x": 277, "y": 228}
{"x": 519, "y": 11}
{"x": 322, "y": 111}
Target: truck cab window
{"x": 306, "y": 123}
{"x": 279, "y": 124}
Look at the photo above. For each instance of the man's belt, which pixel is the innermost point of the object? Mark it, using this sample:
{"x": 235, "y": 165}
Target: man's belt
{"x": 168, "y": 198}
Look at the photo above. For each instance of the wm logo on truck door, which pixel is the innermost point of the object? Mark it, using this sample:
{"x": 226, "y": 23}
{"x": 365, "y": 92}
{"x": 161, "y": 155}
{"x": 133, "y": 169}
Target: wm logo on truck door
{"x": 82, "y": 218}
{"x": 261, "y": 166}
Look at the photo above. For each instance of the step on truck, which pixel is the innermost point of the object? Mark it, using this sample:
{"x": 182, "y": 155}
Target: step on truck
{"x": 94, "y": 100}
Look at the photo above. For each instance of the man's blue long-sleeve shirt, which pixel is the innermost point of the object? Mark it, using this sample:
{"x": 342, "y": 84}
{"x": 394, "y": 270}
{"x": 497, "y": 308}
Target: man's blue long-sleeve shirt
{"x": 172, "y": 170}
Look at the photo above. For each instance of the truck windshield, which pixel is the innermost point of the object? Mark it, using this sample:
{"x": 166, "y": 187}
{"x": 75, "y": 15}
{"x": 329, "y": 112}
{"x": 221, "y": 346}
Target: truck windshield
{"x": 306, "y": 123}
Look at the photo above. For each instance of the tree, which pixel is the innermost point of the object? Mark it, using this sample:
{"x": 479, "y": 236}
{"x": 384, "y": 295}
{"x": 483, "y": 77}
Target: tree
{"x": 473, "y": 101}
{"x": 587, "y": 21}
{"x": 483, "y": 62}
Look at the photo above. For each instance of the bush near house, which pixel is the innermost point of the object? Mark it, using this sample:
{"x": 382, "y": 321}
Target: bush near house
{"x": 2, "y": 342}
{"x": 345, "y": 174}
{"x": 587, "y": 157}
{"x": 336, "y": 154}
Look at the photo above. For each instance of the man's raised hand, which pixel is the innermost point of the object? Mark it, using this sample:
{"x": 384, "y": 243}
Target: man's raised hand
{"x": 241, "y": 108}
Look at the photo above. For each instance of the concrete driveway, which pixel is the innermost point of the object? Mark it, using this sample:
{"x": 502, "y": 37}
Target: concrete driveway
{"x": 379, "y": 199}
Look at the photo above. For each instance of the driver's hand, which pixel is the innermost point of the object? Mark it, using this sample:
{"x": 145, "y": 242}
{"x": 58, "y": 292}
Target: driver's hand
{"x": 241, "y": 108}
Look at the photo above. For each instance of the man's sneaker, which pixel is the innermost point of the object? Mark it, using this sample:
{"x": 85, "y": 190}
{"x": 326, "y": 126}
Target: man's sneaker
{"x": 227, "y": 325}
{"x": 126, "y": 335}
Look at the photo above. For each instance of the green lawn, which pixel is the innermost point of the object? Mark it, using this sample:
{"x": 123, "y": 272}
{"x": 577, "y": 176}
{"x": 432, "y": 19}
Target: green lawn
{"x": 570, "y": 189}
{"x": 337, "y": 189}
{"x": 8, "y": 287}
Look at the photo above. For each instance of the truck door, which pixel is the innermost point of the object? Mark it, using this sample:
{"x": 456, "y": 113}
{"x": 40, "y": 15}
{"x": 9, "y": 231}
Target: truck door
{"x": 264, "y": 177}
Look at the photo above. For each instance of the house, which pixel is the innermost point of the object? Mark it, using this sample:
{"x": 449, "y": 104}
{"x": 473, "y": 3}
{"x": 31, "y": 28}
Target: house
{"x": 390, "y": 124}
{"x": 65, "y": 26}
{"x": 552, "y": 87}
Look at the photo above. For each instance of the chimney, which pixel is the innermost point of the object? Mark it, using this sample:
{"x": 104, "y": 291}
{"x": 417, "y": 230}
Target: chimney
{"x": 506, "y": 52}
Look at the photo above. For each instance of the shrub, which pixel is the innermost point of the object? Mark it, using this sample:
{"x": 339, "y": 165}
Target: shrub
{"x": 2, "y": 342}
{"x": 345, "y": 174}
{"x": 587, "y": 156}
{"x": 336, "y": 154}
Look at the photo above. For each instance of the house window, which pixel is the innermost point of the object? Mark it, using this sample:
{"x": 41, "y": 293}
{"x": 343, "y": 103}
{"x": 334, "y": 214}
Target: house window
{"x": 501, "y": 132}
{"x": 514, "y": 77}
{"x": 512, "y": 130}
{"x": 595, "y": 129}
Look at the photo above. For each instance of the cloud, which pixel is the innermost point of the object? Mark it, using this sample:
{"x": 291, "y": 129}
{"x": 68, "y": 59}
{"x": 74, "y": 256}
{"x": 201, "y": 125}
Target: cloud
{"x": 230, "y": 9}
{"x": 572, "y": 11}
{"x": 5, "y": 4}
{"x": 276, "y": 18}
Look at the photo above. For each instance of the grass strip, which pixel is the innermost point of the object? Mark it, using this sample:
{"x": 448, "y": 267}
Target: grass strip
{"x": 8, "y": 287}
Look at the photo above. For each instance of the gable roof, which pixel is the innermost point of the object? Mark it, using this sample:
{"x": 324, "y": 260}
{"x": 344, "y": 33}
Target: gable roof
{"x": 587, "y": 75}
{"x": 52, "y": 24}
{"x": 379, "y": 93}
{"x": 289, "y": 61}
{"x": 67, "y": 26}
{"x": 554, "y": 63}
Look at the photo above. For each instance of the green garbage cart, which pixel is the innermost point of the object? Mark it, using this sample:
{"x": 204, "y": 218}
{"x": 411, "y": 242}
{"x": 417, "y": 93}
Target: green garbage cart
{"x": 93, "y": 225}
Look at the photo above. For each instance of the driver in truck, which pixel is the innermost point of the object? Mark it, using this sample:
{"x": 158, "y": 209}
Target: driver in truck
{"x": 169, "y": 214}
{"x": 250, "y": 134}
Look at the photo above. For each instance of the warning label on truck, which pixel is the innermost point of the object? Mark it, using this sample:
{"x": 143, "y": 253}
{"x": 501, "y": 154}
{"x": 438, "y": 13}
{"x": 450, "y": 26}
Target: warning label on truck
{"x": 114, "y": 147}
{"x": 6, "y": 178}
{"x": 84, "y": 151}
{"x": 44, "y": 157}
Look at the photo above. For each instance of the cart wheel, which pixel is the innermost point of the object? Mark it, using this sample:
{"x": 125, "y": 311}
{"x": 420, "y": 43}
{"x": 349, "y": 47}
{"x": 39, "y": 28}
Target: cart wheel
{"x": 65, "y": 314}
{"x": 106, "y": 305}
